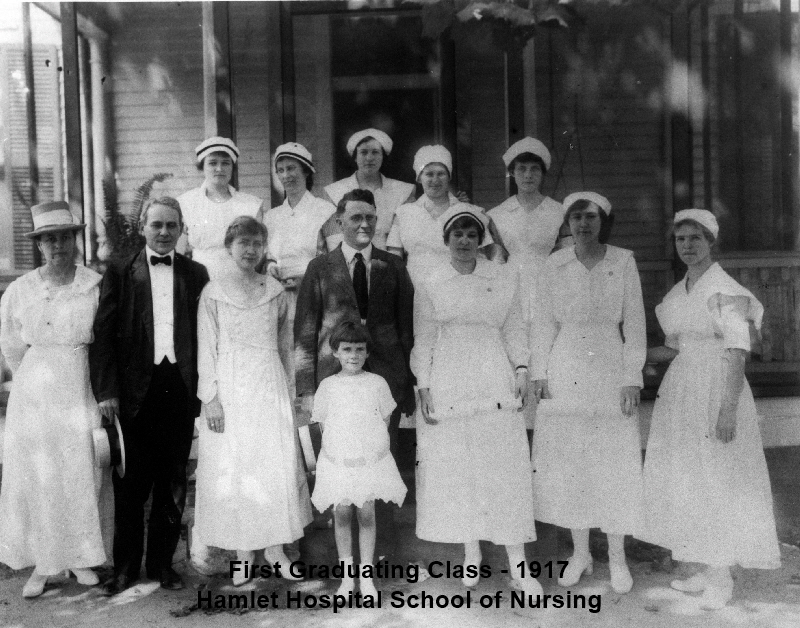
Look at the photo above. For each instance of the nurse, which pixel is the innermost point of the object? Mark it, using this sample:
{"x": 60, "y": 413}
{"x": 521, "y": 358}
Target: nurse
{"x": 588, "y": 348}
{"x": 210, "y": 208}
{"x": 369, "y": 149}
{"x": 417, "y": 229}
{"x": 295, "y": 228}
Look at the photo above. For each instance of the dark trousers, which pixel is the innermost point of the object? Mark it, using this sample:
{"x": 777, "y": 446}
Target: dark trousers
{"x": 386, "y": 531}
{"x": 157, "y": 446}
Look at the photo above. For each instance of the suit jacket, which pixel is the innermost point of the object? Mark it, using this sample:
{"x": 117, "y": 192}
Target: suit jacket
{"x": 327, "y": 297}
{"x": 121, "y": 356}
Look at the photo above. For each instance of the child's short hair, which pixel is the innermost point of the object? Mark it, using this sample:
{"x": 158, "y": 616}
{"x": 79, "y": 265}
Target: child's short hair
{"x": 349, "y": 331}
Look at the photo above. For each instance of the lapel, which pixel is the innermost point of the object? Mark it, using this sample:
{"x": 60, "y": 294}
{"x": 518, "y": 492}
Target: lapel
{"x": 140, "y": 278}
{"x": 377, "y": 273}
{"x": 340, "y": 273}
{"x": 180, "y": 309}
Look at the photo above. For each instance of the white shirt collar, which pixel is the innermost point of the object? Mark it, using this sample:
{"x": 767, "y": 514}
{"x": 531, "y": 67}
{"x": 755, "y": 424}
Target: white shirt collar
{"x": 148, "y": 251}
{"x": 349, "y": 253}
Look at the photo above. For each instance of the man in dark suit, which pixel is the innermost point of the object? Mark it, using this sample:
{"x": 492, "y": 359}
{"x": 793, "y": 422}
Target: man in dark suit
{"x": 143, "y": 366}
{"x": 358, "y": 281}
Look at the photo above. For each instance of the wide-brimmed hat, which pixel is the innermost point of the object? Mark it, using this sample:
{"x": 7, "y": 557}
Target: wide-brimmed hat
{"x": 216, "y": 144}
{"x": 52, "y": 216}
{"x": 109, "y": 447}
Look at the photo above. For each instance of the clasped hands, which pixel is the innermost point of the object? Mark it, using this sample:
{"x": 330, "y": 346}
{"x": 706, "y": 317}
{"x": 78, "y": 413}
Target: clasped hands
{"x": 629, "y": 396}
{"x": 426, "y": 400}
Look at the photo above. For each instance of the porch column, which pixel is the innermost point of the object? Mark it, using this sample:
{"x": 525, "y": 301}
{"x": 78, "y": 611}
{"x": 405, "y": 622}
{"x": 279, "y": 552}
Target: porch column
{"x": 220, "y": 118}
{"x": 72, "y": 107}
{"x": 98, "y": 136}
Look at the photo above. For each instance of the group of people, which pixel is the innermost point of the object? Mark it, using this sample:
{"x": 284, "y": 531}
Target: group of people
{"x": 365, "y": 306}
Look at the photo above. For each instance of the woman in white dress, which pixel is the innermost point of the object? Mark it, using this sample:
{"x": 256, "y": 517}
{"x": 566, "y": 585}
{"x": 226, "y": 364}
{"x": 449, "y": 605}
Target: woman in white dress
{"x": 417, "y": 229}
{"x": 473, "y": 473}
{"x": 210, "y": 208}
{"x": 707, "y": 492}
{"x": 588, "y": 348}
{"x": 251, "y": 488}
{"x": 369, "y": 149}
{"x": 528, "y": 221}
{"x": 295, "y": 228}
{"x": 49, "y": 504}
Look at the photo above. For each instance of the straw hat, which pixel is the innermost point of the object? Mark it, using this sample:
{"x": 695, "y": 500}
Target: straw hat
{"x": 109, "y": 447}
{"x": 52, "y": 216}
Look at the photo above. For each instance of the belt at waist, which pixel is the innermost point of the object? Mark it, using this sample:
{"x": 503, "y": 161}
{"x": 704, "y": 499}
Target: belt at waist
{"x": 360, "y": 461}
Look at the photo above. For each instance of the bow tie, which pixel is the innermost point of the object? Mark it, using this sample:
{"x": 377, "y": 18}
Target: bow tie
{"x": 155, "y": 260}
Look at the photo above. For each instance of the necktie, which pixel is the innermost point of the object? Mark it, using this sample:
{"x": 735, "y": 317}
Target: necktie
{"x": 360, "y": 285}
{"x": 155, "y": 260}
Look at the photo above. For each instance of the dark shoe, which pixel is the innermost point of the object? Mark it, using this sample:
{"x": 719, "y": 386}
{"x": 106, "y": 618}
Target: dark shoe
{"x": 171, "y": 580}
{"x": 117, "y": 584}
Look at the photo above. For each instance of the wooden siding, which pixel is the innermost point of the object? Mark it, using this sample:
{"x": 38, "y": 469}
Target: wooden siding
{"x": 248, "y": 24}
{"x": 46, "y": 89}
{"x": 600, "y": 106}
{"x": 156, "y": 64}
{"x": 481, "y": 109}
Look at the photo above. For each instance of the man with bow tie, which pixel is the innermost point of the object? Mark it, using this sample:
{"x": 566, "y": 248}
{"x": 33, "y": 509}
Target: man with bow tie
{"x": 358, "y": 281}
{"x": 143, "y": 366}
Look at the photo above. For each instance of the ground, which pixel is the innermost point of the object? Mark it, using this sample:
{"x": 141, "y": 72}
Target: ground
{"x": 768, "y": 599}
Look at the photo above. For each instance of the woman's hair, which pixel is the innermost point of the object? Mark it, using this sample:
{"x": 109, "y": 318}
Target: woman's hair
{"x": 202, "y": 163}
{"x": 524, "y": 158}
{"x": 244, "y": 226}
{"x": 367, "y": 139}
{"x": 606, "y": 220}
{"x": 693, "y": 223}
{"x": 349, "y": 331}
{"x": 465, "y": 222}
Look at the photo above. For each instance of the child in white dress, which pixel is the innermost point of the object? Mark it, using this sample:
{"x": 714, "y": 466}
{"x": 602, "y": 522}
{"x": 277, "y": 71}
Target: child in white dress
{"x": 355, "y": 465}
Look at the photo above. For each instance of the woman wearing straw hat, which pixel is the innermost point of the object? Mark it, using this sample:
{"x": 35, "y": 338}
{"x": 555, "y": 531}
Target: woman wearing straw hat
{"x": 417, "y": 228}
{"x": 49, "y": 508}
{"x": 473, "y": 471}
{"x": 210, "y": 208}
{"x": 707, "y": 492}
{"x": 369, "y": 148}
{"x": 588, "y": 349}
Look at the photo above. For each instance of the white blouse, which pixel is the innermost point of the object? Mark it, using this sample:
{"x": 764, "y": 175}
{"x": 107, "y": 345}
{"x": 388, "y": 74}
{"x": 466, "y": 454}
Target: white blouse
{"x": 292, "y": 233}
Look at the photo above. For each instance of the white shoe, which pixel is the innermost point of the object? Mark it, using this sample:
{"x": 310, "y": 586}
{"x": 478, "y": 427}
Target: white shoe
{"x": 347, "y": 585}
{"x": 696, "y": 584}
{"x": 275, "y": 554}
{"x": 719, "y": 590}
{"x": 368, "y": 587}
{"x": 575, "y": 569}
{"x": 529, "y": 585}
{"x": 621, "y": 579}
{"x": 86, "y": 576}
{"x": 34, "y": 587}
{"x": 466, "y": 580}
